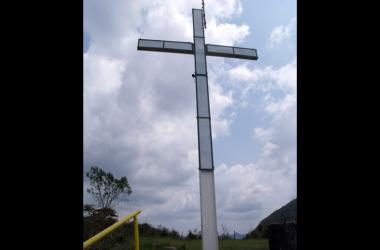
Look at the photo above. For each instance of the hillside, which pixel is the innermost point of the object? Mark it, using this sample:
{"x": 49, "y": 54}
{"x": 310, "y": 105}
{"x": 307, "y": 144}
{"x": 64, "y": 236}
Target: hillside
{"x": 284, "y": 214}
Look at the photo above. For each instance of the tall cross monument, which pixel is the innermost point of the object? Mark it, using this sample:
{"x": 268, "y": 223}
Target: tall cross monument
{"x": 205, "y": 153}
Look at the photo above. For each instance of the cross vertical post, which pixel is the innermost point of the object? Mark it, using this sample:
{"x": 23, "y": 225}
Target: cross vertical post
{"x": 205, "y": 154}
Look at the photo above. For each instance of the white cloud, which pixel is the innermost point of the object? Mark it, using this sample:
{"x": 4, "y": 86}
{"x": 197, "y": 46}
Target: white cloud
{"x": 266, "y": 78}
{"x": 225, "y": 33}
{"x": 282, "y": 33}
{"x": 276, "y": 168}
{"x": 242, "y": 73}
{"x": 222, "y": 9}
{"x": 248, "y": 193}
{"x": 220, "y": 101}
{"x": 102, "y": 74}
{"x": 264, "y": 134}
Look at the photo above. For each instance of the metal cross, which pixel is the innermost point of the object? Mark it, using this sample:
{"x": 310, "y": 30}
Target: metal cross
{"x": 205, "y": 153}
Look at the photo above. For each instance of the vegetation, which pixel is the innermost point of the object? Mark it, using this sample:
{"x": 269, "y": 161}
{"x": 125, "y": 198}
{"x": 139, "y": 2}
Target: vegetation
{"x": 96, "y": 220}
{"x": 150, "y": 243}
{"x": 225, "y": 233}
{"x": 105, "y": 188}
{"x": 286, "y": 213}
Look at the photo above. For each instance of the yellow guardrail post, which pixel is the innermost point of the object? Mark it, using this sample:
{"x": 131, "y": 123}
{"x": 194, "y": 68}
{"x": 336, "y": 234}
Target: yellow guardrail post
{"x": 136, "y": 233}
{"x": 111, "y": 228}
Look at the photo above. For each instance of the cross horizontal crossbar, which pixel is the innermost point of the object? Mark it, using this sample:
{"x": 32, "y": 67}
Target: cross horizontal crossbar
{"x": 232, "y": 52}
{"x": 166, "y": 46}
{"x": 188, "y": 48}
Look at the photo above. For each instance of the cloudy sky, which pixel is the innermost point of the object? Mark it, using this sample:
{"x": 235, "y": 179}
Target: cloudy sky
{"x": 140, "y": 113}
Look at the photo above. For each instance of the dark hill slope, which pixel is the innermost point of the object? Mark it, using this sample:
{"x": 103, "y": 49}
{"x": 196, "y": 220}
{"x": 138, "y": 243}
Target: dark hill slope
{"x": 284, "y": 214}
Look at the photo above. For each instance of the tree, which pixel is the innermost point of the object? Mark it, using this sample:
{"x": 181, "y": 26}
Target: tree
{"x": 191, "y": 236}
{"x": 225, "y": 233}
{"x": 105, "y": 188}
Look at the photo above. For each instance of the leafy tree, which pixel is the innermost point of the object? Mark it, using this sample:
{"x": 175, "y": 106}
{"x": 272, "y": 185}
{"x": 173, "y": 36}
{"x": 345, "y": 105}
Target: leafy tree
{"x": 105, "y": 188}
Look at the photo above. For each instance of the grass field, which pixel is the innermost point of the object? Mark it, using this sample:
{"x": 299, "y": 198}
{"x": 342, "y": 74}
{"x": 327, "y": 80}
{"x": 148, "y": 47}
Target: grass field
{"x": 161, "y": 243}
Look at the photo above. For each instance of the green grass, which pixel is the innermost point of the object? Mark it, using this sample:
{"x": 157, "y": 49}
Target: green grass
{"x": 150, "y": 243}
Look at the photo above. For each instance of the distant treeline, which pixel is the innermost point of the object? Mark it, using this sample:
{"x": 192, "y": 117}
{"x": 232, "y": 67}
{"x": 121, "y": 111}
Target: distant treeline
{"x": 147, "y": 230}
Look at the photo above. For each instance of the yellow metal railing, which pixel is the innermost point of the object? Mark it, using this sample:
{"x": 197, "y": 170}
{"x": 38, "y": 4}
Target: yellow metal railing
{"x": 111, "y": 228}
